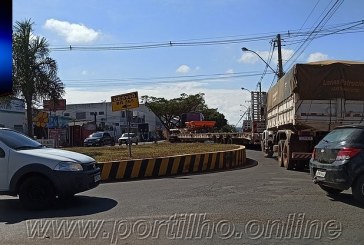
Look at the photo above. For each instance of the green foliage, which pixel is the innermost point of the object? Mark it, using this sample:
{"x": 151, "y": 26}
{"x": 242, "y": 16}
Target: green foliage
{"x": 214, "y": 115}
{"x": 169, "y": 111}
{"x": 34, "y": 72}
{"x": 228, "y": 129}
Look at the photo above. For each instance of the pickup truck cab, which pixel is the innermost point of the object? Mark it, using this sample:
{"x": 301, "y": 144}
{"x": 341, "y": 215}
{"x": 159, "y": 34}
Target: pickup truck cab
{"x": 39, "y": 174}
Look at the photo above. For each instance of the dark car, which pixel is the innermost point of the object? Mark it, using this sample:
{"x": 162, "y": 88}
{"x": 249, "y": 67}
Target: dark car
{"x": 337, "y": 161}
{"x": 99, "y": 139}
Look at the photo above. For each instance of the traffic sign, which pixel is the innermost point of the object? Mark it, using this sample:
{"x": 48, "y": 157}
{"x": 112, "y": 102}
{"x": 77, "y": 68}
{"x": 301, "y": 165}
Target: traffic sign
{"x": 125, "y": 101}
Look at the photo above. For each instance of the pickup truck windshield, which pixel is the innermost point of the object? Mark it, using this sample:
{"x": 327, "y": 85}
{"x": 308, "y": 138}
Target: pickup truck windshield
{"x": 18, "y": 141}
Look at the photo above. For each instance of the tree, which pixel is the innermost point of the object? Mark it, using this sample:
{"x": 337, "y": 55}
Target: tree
{"x": 211, "y": 114}
{"x": 228, "y": 128}
{"x": 34, "y": 72}
{"x": 169, "y": 111}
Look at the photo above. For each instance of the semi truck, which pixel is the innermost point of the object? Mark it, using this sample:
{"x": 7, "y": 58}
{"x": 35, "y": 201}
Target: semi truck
{"x": 308, "y": 102}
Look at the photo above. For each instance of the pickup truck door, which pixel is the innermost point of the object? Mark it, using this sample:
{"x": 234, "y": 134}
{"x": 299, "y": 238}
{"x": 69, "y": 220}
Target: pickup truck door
{"x": 4, "y": 165}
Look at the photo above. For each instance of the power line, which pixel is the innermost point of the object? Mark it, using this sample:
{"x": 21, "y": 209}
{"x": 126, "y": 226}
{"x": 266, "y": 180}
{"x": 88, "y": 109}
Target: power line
{"x": 153, "y": 81}
{"x": 315, "y": 31}
{"x": 203, "y": 41}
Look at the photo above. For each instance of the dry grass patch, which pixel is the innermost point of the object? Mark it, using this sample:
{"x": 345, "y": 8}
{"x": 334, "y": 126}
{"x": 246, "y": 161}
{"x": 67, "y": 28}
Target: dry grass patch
{"x": 141, "y": 151}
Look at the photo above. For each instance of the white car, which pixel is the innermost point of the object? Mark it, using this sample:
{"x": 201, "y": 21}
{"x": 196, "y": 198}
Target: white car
{"x": 125, "y": 138}
{"x": 39, "y": 174}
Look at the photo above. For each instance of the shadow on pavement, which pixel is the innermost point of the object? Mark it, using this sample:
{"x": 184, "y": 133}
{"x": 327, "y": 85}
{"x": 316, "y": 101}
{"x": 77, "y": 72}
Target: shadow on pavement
{"x": 345, "y": 198}
{"x": 11, "y": 211}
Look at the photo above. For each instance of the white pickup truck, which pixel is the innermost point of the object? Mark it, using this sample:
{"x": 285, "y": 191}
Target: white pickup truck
{"x": 38, "y": 174}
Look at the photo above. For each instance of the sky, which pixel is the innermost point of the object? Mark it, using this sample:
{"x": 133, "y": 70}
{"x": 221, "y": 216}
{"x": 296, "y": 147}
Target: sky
{"x": 164, "y": 48}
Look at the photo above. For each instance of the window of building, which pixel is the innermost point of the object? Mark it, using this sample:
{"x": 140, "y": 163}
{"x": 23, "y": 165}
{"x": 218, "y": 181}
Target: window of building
{"x": 101, "y": 113}
{"x": 66, "y": 114}
{"x": 80, "y": 115}
{"x": 18, "y": 128}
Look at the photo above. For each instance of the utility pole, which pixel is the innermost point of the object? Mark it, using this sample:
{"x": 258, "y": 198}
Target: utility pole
{"x": 280, "y": 64}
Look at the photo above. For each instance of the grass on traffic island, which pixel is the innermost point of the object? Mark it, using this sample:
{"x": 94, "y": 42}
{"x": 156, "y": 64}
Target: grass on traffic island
{"x": 143, "y": 151}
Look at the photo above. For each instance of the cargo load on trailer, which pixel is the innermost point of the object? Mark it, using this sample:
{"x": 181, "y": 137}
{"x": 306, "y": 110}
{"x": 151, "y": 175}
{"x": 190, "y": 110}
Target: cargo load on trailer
{"x": 308, "y": 102}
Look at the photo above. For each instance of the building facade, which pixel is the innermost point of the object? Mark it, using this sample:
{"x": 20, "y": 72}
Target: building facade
{"x": 12, "y": 114}
{"x": 142, "y": 120}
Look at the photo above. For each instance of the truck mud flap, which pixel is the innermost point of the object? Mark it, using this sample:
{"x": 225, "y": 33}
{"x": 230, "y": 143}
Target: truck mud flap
{"x": 301, "y": 156}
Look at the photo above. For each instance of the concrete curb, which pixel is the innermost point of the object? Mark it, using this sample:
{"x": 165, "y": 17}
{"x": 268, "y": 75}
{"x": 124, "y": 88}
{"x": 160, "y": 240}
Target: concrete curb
{"x": 172, "y": 165}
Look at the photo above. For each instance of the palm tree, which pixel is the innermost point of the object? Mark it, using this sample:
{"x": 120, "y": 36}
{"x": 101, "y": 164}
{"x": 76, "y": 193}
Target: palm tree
{"x": 34, "y": 72}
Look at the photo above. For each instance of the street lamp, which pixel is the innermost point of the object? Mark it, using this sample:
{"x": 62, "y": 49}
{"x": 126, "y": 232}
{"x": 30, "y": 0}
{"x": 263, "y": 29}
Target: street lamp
{"x": 260, "y": 83}
{"x": 248, "y": 50}
{"x": 246, "y": 89}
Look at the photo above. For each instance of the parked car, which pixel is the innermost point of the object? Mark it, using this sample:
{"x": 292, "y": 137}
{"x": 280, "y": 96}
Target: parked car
{"x": 337, "y": 161}
{"x": 39, "y": 174}
{"x": 124, "y": 138}
{"x": 99, "y": 139}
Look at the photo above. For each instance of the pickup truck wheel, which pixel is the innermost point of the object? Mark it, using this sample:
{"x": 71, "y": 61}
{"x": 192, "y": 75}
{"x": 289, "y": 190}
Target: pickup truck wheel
{"x": 358, "y": 189}
{"x": 36, "y": 193}
{"x": 66, "y": 196}
{"x": 329, "y": 190}
{"x": 287, "y": 160}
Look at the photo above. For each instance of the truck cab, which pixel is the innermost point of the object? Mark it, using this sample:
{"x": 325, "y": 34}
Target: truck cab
{"x": 267, "y": 142}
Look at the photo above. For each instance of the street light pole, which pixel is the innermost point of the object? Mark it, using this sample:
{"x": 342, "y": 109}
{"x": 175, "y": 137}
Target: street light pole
{"x": 246, "y": 89}
{"x": 279, "y": 75}
{"x": 248, "y": 50}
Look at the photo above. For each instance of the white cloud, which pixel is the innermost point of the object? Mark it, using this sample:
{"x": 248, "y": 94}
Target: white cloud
{"x": 183, "y": 69}
{"x": 248, "y": 58}
{"x": 317, "y": 57}
{"x": 73, "y": 33}
{"x": 229, "y": 71}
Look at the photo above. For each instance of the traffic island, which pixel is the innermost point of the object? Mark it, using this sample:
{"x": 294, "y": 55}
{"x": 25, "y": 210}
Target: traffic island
{"x": 172, "y": 165}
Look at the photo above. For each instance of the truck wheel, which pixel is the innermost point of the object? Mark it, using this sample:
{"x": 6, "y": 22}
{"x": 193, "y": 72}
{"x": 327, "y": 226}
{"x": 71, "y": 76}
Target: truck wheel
{"x": 36, "y": 193}
{"x": 270, "y": 154}
{"x": 358, "y": 189}
{"x": 287, "y": 157}
{"x": 280, "y": 153}
{"x": 329, "y": 190}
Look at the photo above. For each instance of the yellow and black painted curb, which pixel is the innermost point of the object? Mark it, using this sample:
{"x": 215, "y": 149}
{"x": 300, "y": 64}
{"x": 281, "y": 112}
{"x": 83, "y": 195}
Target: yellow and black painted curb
{"x": 172, "y": 165}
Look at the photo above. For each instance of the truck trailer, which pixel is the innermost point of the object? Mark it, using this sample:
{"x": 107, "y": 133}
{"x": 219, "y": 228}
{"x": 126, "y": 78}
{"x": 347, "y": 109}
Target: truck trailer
{"x": 308, "y": 102}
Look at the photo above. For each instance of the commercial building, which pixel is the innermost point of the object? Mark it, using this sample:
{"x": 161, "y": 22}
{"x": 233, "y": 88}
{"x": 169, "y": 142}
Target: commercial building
{"x": 81, "y": 119}
{"x": 12, "y": 114}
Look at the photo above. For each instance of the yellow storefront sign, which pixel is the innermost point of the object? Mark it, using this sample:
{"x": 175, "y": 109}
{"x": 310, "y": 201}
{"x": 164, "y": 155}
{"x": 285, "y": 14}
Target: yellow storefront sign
{"x": 125, "y": 101}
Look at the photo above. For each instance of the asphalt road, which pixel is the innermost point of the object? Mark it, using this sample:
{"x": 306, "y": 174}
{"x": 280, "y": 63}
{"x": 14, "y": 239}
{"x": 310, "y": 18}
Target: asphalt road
{"x": 262, "y": 204}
